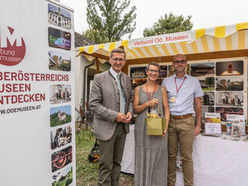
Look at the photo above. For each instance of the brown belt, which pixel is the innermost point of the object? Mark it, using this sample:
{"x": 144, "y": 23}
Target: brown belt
{"x": 181, "y": 117}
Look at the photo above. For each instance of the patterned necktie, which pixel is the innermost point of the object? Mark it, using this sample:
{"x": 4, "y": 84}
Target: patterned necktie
{"x": 121, "y": 93}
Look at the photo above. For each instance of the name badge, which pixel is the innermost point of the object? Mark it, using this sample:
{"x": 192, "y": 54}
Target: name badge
{"x": 173, "y": 99}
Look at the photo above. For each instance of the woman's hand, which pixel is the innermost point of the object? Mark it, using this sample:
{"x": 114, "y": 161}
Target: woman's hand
{"x": 165, "y": 131}
{"x": 152, "y": 103}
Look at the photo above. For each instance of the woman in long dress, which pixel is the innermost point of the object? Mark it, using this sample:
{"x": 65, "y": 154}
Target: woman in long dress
{"x": 151, "y": 153}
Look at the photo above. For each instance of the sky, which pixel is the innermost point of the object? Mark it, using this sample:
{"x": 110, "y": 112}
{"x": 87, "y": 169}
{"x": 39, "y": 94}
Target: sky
{"x": 66, "y": 109}
{"x": 205, "y": 14}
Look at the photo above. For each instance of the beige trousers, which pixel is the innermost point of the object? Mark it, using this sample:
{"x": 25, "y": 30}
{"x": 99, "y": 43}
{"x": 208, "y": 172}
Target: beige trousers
{"x": 181, "y": 131}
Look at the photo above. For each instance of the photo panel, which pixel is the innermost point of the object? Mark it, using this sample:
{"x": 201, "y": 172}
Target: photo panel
{"x": 59, "y": 16}
{"x": 63, "y": 177}
{"x": 212, "y": 118}
{"x": 188, "y": 69}
{"x": 60, "y": 93}
{"x": 163, "y": 71}
{"x": 170, "y": 70}
{"x": 228, "y": 110}
{"x": 59, "y": 39}
{"x": 229, "y": 83}
{"x": 202, "y": 69}
{"x": 138, "y": 82}
{"x": 59, "y": 61}
{"x": 138, "y": 72}
{"x": 61, "y": 158}
{"x": 61, "y": 136}
{"x": 206, "y": 109}
{"x": 60, "y": 115}
{"x": 232, "y": 68}
{"x": 229, "y": 99}
{"x": 208, "y": 98}
{"x": 207, "y": 83}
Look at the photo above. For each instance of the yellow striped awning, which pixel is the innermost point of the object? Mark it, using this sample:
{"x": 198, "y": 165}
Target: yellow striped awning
{"x": 221, "y": 38}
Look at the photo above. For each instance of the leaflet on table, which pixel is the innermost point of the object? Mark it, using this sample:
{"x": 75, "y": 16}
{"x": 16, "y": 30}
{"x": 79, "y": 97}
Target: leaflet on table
{"x": 212, "y": 123}
{"x": 238, "y": 124}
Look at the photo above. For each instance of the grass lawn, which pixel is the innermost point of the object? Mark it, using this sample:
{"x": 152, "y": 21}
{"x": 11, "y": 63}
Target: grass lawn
{"x": 87, "y": 173}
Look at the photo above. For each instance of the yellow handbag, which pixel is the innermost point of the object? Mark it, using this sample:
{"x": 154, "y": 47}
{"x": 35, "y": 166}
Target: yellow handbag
{"x": 155, "y": 126}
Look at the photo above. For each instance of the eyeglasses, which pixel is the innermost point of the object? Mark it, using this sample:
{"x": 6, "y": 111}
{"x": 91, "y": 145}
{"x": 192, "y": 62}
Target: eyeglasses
{"x": 179, "y": 61}
{"x": 118, "y": 59}
{"x": 153, "y": 71}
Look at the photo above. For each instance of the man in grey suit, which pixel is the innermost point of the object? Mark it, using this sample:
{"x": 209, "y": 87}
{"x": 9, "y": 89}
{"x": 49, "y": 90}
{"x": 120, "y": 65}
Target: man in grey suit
{"x": 111, "y": 102}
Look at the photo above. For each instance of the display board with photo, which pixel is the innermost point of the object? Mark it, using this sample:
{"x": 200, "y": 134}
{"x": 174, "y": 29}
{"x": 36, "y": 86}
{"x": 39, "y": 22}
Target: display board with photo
{"x": 63, "y": 177}
{"x": 229, "y": 83}
{"x": 207, "y": 83}
{"x": 222, "y": 82}
{"x": 208, "y": 98}
{"x": 59, "y": 16}
{"x": 61, "y": 158}
{"x": 202, "y": 69}
{"x": 163, "y": 71}
{"x": 138, "y": 82}
{"x": 232, "y": 68}
{"x": 223, "y": 86}
{"x": 138, "y": 72}
{"x": 206, "y": 109}
{"x": 59, "y": 61}
{"x": 138, "y": 75}
{"x": 170, "y": 70}
{"x": 59, "y": 39}
{"x": 228, "y": 110}
{"x": 60, "y": 93}
{"x": 230, "y": 99}
{"x": 60, "y": 115}
{"x": 61, "y": 136}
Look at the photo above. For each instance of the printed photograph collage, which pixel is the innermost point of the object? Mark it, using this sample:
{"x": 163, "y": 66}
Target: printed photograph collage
{"x": 223, "y": 82}
{"x": 59, "y": 58}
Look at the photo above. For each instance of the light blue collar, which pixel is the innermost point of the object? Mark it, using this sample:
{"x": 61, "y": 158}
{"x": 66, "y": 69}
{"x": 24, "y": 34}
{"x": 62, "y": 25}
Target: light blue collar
{"x": 114, "y": 73}
{"x": 185, "y": 76}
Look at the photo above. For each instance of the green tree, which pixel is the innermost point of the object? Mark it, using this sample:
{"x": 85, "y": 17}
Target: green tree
{"x": 109, "y": 20}
{"x": 169, "y": 24}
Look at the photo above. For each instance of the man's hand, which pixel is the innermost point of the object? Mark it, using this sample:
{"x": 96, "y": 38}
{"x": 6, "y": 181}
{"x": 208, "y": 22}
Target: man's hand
{"x": 197, "y": 130}
{"x": 128, "y": 117}
{"x": 121, "y": 117}
{"x": 124, "y": 118}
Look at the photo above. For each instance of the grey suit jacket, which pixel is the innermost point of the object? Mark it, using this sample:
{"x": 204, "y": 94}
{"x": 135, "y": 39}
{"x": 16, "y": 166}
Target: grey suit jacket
{"x": 105, "y": 103}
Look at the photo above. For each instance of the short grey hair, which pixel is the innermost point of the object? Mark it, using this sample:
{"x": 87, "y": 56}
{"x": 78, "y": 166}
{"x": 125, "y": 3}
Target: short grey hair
{"x": 117, "y": 50}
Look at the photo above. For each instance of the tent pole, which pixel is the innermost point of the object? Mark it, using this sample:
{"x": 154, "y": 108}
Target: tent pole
{"x": 85, "y": 68}
{"x": 97, "y": 65}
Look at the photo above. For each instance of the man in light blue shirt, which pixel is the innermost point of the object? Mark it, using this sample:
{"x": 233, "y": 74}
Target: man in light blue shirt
{"x": 184, "y": 94}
